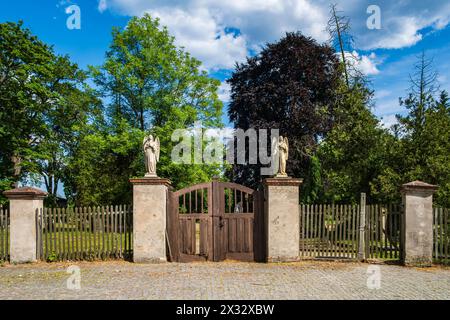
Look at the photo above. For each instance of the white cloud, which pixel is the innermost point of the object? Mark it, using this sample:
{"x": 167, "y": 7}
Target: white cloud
{"x": 262, "y": 20}
{"x": 203, "y": 37}
{"x": 102, "y": 6}
{"x": 367, "y": 64}
{"x": 201, "y": 25}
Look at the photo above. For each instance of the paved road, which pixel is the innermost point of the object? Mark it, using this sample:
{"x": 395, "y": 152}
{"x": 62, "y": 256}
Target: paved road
{"x": 226, "y": 280}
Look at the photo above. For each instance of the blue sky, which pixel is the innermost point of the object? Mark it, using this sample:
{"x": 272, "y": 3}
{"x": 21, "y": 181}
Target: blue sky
{"x": 221, "y": 33}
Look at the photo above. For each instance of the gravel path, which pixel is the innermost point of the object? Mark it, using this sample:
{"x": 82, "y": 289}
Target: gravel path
{"x": 225, "y": 280}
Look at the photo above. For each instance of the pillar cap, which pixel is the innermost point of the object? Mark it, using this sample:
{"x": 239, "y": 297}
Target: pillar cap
{"x": 150, "y": 181}
{"x": 283, "y": 181}
{"x": 419, "y": 186}
{"x": 26, "y": 193}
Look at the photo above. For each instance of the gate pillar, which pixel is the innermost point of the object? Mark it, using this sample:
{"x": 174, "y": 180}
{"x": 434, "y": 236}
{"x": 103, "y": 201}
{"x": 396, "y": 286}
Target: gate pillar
{"x": 282, "y": 216}
{"x": 149, "y": 219}
{"x": 23, "y": 205}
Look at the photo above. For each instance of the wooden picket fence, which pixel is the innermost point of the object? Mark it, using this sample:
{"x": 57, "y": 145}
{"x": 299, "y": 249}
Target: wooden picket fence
{"x": 331, "y": 231}
{"x": 441, "y": 226}
{"x": 84, "y": 233}
{"x": 4, "y": 234}
{"x": 383, "y": 231}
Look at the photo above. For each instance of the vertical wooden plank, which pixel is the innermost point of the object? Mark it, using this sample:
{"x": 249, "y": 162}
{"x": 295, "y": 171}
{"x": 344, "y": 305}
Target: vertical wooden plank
{"x": 345, "y": 237}
{"x": 63, "y": 212}
{"x": 353, "y": 232}
{"x": 107, "y": 230}
{"x": 316, "y": 230}
{"x": 54, "y": 233}
{"x": 121, "y": 223}
{"x": 90, "y": 233}
{"x": 341, "y": 230}
{"x": 58, "y": 233}
{"x": 319, "y": 230}
{"x": 68, "y": 233}
{"x": 378, "y": 231}
{"x": 445, "y": 234}
{"x": 311, "y": 230}
{"x": 308, "y": 230}
{"x": 114, "y": 227}
{"x": 125, "y": 229}
{"x": 324, "y": 231}
{"x": 369, "y": 231}
{"x": 345, "y": 216}
{"x": 94, "y": 232}
{"x": 2, "y": 235}
{"x": 113, "y": 232}
{"x": 398, "y": 233}
{"x": 3, "y": 253}
{"x": 83, "y": 244}
{"x": 435, "y": 238}
{"x": 76, "y": 232}
{"x": 116, "y": 241}
{"x": 51, "y": 225}
{"x": 335, "y": 230}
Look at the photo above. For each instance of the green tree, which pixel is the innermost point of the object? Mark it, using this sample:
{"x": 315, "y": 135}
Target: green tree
{"x": 148, "y": 85}
{"x": 353, "y": 153}
{"x": 436, "y": 133}
{"x": 44, "y": 103}
{"x": 421, "y": 149}
{"x": 290, "y": 86}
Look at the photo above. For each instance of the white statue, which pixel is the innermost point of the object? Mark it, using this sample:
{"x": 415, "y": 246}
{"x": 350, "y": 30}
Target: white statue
{"x": 151, "y": 155}
{"x": 283, "y": 154}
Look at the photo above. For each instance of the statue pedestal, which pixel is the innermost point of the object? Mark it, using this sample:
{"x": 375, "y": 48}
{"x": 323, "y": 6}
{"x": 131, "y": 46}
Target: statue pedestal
{"x": 149, "y": 219}
{"x": 282, "y": 216}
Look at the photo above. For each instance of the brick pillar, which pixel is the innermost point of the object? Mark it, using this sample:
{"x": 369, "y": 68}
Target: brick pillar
{"x": 417, "y": 225}
{"x": 282, "y": 216}
{"x": 149, "y": 219}
{"x": 23, "y": 205}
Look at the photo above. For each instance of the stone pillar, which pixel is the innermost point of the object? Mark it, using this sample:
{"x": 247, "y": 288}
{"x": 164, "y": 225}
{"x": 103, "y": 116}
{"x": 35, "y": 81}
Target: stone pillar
{"x": 417, "y": 225}
{"x": 149, "y": 219}
{"x": 23, "y": 205}
{"x": 282, "y": 216}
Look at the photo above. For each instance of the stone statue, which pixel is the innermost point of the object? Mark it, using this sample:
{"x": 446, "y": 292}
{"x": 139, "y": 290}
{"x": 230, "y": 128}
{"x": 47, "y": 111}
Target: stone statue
{"x": 283, "y": 150}
{"x": 151, "y": 155}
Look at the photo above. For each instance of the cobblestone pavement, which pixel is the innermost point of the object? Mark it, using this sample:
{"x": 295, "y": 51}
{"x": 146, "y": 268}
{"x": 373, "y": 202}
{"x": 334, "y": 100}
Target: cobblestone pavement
{"x": 225, "y": 280}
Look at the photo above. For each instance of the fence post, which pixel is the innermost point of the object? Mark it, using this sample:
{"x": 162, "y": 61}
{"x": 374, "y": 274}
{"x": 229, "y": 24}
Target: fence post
{"x": 417, "y": 224}
{"x": 362, "y": 229}
{"x": 23, "y": 204}
{"x": 282, "y": 218}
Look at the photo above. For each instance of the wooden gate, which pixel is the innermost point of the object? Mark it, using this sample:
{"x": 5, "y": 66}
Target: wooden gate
{"x": 215, "y": 221}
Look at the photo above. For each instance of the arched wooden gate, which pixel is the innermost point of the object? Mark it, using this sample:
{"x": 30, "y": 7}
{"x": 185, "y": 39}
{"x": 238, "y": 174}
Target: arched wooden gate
{"x": 215, "y": 221}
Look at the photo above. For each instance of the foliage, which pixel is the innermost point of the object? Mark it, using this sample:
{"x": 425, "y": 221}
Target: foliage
{"x": 44, "y": 102}
{"x": 289, "y": 86}
{"x": 355, "y": 151}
